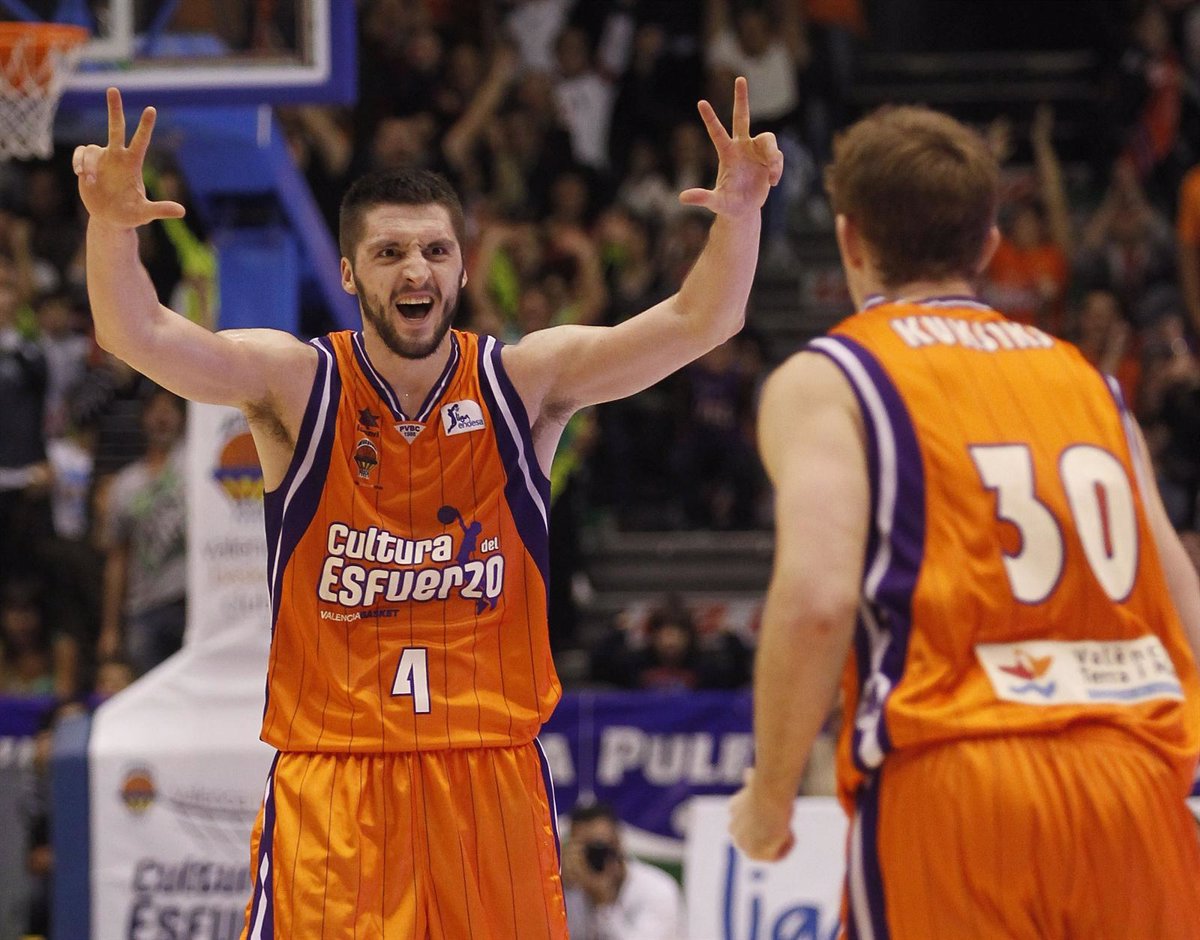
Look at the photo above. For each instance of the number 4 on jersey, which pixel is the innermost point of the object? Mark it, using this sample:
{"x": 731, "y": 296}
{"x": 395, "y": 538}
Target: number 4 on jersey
{"x": 1102, "y": 509}
{"x": 412, "y": 678}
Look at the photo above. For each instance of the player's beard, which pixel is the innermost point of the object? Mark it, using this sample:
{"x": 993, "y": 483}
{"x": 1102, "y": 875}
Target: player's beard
{"x": 382, "y": 319}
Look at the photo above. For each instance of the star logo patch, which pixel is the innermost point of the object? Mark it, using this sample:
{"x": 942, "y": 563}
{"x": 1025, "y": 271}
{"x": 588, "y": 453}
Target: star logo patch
{"x": 367, "y": 419}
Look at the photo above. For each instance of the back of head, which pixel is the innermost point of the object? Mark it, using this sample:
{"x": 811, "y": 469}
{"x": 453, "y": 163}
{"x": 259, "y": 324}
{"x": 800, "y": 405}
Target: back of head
{"x": 402, "y": 187}
{"x": 921, "y": 188}
{"x": 590, "y": 811}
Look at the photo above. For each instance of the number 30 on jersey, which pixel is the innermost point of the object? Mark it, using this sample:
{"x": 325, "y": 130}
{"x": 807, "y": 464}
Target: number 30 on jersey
{"x": 1102, "y": 511}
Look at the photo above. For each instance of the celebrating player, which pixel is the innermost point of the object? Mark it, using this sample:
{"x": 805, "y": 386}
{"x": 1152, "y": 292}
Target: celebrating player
{"x": 405, "y": 467}
{"x": 969, "y": 532}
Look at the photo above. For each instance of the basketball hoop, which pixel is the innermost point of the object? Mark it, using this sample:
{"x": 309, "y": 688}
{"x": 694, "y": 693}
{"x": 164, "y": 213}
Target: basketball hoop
{"x": 35, "y": 61}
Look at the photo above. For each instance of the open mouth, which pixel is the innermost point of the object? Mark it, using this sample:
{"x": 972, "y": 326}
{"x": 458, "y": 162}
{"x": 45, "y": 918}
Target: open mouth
{"x": 414, "y": 310}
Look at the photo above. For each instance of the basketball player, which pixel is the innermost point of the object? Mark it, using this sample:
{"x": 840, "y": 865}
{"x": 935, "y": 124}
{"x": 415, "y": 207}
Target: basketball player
{"x": 968, "y": 531}
{"x": 405, "y": 467}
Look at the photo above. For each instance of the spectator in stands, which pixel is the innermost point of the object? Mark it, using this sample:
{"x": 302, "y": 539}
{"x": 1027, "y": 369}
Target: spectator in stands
{"x": 57, "y": 232}
{"x": 1105, "y": 338}
{"x": 1172, "y": 411}
{"x": 145, "y": 575}
{"x": 585, "y": 98}
{"x": 766, "y": 43}
{"x": 653, "y": 93}
{"x": 1127, "y": 243}
{"x": 24, "y": 473}
{"x": 113, "y": 675}
{"x": 26, "y": 651}
{"x": 1151, "y": 101}
{"x": 610, "y": 894}
{"x": 1029, "y": 273}
{"x": 1187, "y": 233}
{"x": 65, "y": 350}
{"x": 714, "y": 453}
{"x": 663, "y": 652}
{"x": 107, "y": 404}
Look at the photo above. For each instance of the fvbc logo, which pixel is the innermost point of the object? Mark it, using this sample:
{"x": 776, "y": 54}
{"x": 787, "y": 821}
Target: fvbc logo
{"x": 459, "y": 417}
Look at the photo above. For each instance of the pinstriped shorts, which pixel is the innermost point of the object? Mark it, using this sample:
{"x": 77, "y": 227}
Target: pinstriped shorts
{"x": 442, "y": 845}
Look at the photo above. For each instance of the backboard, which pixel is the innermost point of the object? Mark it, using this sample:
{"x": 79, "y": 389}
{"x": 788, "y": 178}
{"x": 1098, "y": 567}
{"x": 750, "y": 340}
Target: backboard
{"x": 222, "y": 52}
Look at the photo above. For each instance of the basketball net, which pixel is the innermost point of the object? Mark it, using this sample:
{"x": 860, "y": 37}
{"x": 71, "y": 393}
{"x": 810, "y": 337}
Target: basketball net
{"x": 36, "y": 59}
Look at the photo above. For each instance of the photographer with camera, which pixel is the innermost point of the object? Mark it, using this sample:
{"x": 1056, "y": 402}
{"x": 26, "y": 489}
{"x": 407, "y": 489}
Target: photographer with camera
{"x": 611, "y": 895}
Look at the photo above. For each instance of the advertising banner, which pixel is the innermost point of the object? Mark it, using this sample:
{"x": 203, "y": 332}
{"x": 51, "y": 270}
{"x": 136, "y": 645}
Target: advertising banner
{"x": 647, "y": 754}
{"x": 227, "y": 545}
{"x": 177, "y": 770}
{"x": 730, "y": 897}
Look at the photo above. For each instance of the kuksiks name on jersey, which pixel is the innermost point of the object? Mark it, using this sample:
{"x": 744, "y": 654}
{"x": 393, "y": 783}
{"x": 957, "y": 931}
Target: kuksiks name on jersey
{"x": 988, "y": 336}
{"x": 366, "y": 567}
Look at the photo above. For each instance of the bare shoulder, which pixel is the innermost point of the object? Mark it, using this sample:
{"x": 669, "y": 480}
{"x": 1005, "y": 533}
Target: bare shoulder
{"x": 806, "y": 402}
{"x": 533, "y": 363}
{"x": 810, "y": 380}
{"x": 288, "y": 367}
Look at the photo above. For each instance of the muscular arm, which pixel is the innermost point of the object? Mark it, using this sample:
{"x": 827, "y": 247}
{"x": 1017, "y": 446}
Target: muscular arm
{"x": 266, "y": 373}
{"x": 811, "y": 439}
{"x": 235, "y": 367}
{"x": 561, "y": 370}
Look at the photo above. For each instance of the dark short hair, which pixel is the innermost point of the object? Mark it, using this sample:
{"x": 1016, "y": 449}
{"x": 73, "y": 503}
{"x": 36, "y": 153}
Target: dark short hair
{"x": 401, "y": 187}
{"x": 921, "y": 187}
{"x": 591, "y": 811}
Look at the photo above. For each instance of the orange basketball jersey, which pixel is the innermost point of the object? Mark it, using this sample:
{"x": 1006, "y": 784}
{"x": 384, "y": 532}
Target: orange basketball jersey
{"x": 1011, "y": 582}
{"x": 408, "y": 564}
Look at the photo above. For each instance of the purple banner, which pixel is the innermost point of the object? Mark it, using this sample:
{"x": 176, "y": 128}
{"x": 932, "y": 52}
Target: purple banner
{"x": 647, "y": 753}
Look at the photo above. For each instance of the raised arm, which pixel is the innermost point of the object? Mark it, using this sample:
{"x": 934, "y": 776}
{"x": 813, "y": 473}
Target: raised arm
{"x": 560, "y": 370}
{"x": 257, "y": 370}
{"x": 1050, "y": 179}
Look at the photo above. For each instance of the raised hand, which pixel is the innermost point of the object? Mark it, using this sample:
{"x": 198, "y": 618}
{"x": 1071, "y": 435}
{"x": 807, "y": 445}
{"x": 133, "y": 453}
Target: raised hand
{"x": 110, "y": 177}
{"x": 748, "y": 167}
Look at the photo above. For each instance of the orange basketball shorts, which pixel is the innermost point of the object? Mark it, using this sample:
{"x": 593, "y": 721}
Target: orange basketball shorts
{"x": 1082, "y": 834}
{"x": 435, "y": 845}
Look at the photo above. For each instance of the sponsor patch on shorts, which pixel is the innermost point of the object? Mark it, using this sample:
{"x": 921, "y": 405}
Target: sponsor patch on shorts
{"x": 1087, "y": 672}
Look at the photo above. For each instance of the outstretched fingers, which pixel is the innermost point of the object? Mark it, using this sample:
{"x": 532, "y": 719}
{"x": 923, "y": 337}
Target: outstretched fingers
{"x": 165, "y": 209}
{"x": 741, "y": 107}
{"x": 698, "y": 197}
{"x": 716, "y": 130}
{"x": 116, "y": 119}
{"x": 141, "y": 137}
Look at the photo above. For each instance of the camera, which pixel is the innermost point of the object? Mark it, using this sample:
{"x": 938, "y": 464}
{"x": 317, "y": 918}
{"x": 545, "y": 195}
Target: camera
{"x": 599, "y": 854}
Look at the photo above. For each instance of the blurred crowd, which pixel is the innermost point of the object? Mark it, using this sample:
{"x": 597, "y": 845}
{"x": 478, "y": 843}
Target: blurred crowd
{"x": 569, "y": 128}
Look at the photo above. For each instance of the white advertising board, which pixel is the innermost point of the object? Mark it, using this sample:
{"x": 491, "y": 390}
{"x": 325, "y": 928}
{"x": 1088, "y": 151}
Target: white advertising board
{"x": 176, "y": 768}
{"x": 730, "y": 897}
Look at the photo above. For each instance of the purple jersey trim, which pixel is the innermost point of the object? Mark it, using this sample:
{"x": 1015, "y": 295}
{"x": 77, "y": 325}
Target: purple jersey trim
{"x": 385, "y": 391}
{"x": 548, "y": 783}
{"x": 897, "y": 541}
{"x": 260, "y": 923}
{"x": 526, "y": 490}
{"x": 868, "y": 905}
{"x": 289, "y": 508}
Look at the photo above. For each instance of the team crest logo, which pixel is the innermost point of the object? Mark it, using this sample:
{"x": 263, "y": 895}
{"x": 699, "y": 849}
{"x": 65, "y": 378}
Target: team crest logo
{"x": 137, "y": 791}
{"x": 366, "y": 458}
{"x": 1031, "y": 669}
{"x": 237, "y": 469}
{"x": 459, "y": 417}
{"x": 409, "y": 430}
